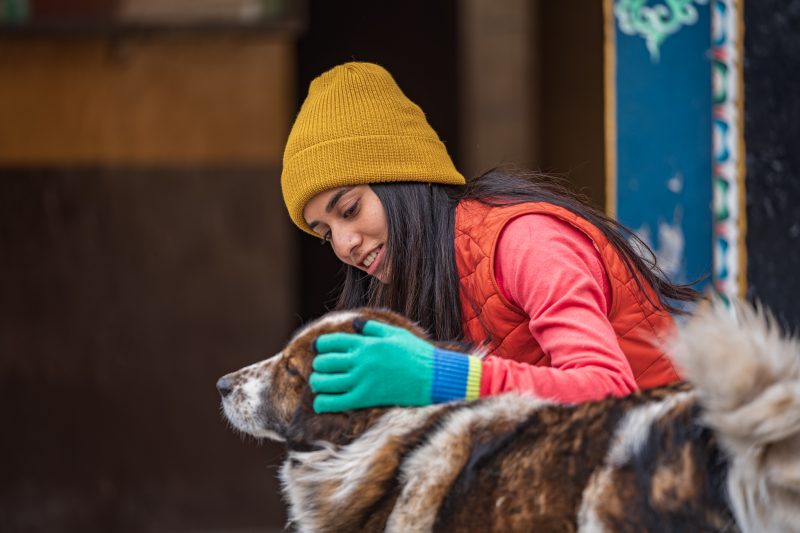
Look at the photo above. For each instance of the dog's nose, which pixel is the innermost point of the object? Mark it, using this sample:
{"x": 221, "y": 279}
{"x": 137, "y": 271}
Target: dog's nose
{"x": 224, "y": 386}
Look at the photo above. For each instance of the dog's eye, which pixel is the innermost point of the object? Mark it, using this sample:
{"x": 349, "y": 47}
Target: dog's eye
{"x": 291, "y": 369}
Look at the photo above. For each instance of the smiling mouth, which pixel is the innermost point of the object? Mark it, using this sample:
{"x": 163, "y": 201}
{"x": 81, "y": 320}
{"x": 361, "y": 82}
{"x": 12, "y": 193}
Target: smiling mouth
{"x": 373, "y": 261}
{"x": 371, "y": 257}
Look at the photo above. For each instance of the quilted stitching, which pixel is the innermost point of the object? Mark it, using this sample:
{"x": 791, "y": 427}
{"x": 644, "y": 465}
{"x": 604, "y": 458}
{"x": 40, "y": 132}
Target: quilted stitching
{"x": 484, "y": 310}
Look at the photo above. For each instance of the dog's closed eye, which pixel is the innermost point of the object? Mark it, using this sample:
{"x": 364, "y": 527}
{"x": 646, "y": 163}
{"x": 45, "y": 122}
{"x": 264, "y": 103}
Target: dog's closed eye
{"x": 291, "y": 369}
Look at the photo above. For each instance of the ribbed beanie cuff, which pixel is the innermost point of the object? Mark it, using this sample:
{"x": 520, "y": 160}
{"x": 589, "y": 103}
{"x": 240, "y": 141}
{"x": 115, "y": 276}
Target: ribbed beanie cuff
{"x": 357, "y": 127}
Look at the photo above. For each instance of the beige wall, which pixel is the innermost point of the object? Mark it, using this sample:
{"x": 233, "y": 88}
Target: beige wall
{"x": 499, "y": 84}
{"x": 532, "y": 88}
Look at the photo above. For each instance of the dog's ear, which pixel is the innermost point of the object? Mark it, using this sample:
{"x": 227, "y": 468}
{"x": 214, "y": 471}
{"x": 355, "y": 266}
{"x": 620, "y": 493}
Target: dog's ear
{"x": 396, "y": 319}
{"x": 308, "y": 427}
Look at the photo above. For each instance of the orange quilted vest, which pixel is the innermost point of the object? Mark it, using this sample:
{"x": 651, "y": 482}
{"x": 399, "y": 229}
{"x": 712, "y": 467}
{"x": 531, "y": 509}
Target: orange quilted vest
{"x": 489, "y": 319}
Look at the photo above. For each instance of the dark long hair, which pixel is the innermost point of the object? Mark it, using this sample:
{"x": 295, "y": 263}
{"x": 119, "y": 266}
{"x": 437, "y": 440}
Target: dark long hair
{"x": 421, "y": 254}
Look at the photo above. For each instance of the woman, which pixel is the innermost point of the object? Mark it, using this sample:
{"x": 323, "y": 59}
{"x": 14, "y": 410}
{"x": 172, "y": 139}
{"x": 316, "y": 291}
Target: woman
{"x": 513, "y": 262}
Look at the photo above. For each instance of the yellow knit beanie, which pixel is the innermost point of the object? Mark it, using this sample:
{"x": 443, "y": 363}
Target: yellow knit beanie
{"x": 357, "y": 127}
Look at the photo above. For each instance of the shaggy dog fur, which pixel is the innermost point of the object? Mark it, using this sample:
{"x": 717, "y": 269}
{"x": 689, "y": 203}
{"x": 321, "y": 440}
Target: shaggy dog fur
{"x": 720, "y": 452}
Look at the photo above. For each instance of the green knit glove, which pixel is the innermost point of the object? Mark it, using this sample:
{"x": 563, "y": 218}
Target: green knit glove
{"x": 387, "y": 365}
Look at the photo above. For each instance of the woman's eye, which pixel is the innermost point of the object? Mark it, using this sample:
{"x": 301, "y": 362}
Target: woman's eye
{"x": 326, "y": 238}
{"x": 350, "y": 211}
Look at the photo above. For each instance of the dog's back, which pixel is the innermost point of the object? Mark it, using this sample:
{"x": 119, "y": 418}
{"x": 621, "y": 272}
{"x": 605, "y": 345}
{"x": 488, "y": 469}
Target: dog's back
{"x": 720, "y": 453}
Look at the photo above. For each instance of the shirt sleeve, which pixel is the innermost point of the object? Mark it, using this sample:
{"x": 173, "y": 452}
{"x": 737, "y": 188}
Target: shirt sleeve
{"x": 552, "y": 271}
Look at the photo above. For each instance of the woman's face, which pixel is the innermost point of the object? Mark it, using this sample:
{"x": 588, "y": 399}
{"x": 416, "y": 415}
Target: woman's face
{"x": 353, "y": 220}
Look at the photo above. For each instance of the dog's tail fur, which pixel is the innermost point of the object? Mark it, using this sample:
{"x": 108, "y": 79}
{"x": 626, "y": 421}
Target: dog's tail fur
{"x": 748, "y": 377}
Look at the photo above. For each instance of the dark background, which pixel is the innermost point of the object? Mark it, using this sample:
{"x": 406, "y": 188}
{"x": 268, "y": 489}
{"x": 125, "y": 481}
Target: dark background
{"x": 125, "y": 294}
{"x": 772, "y": 142}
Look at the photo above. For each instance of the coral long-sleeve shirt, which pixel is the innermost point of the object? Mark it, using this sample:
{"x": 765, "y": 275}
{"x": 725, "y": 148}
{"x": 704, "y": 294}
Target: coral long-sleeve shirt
{"x": 554, "y": 274}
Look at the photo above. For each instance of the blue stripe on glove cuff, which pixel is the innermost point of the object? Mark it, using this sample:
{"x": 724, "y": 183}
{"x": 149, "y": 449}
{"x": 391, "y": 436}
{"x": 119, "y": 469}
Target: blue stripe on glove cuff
{"x": 456, "y": 376}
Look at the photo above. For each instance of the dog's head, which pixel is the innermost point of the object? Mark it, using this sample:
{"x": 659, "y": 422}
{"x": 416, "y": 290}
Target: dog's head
{"x": 272, "y": 399}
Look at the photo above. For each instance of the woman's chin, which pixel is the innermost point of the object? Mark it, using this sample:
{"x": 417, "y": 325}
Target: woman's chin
{"x": 380, "y": 268}
{"x": 382, "y": 275}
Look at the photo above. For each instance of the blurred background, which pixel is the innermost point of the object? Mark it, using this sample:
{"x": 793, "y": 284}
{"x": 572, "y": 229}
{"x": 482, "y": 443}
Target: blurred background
{"x": 145, "y": 249}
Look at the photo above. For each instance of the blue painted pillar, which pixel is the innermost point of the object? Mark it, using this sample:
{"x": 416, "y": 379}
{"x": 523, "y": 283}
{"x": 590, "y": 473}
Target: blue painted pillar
{"x": 658, "y": 123}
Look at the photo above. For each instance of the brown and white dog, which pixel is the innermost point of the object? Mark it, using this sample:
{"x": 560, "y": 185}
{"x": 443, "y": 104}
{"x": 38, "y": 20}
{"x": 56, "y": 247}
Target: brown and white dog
{"x": 718, "y": 453}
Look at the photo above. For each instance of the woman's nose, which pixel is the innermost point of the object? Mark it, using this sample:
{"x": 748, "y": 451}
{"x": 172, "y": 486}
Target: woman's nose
{"x": 346, "y": 243}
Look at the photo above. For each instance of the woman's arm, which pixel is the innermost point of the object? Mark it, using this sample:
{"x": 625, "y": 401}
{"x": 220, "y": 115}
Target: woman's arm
{"x": 553, "y": 272}
{"x": 545, "y": 267}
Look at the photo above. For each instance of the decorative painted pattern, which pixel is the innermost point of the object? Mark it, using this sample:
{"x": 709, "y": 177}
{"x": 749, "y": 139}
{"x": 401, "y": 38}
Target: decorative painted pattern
{"x": 658, "y": 130}
{"x": 654, "y": 23}
{"x": 728, "y": 164}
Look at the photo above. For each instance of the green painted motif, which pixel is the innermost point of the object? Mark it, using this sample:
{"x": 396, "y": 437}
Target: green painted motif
{"x": 657, "y": 22}
{"x": 14, "y": 11}
{"x": 721, "y": 211}
{"x": 719, "y": 71}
